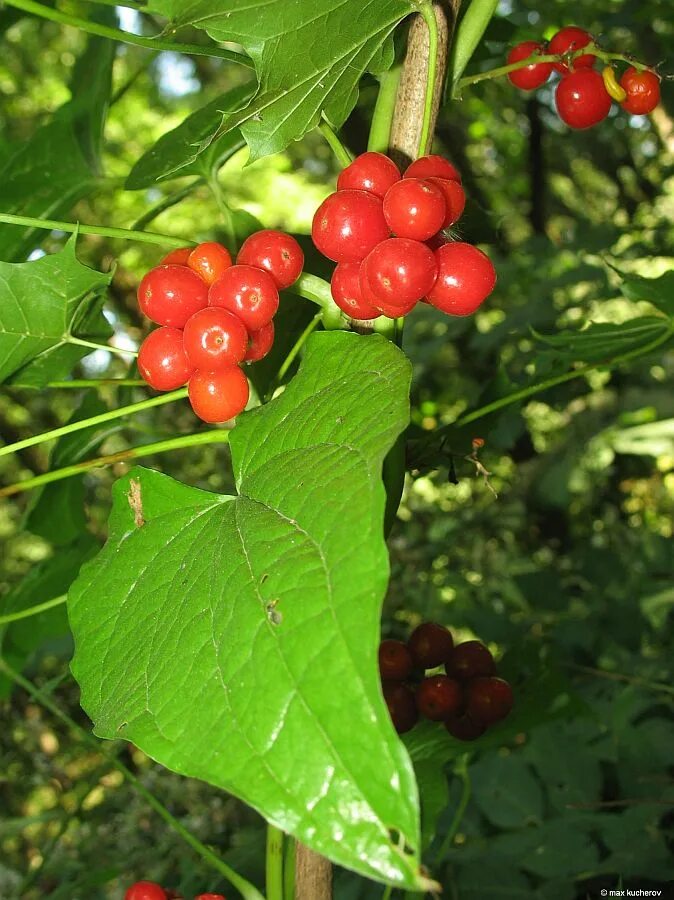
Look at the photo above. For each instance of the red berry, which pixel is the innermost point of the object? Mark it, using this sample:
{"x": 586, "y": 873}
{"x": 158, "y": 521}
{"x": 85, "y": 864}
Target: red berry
{"x": 438, "y": 697}
{"x": 581, "y": 99}
{"x": 247, "y": 292}
{"x": 382, "y": 307}
{"x": 145, "y": 890}
{"x": 260, "y": 343}
{"x": 215, "y": 339}
{"x": 430, "y": 645}
{"x": 210, "y": 897}
{"x": 218, "y": 396}
{"x": 169, "y": 295}
{"x": 415, "y": 209}
{"x": 371, "y": 172}
{"x": 277, "y": 253}
{"x": 465, "y": 279}
{"x": 455, "y": 199}
{"x": 401, "y": 704}
{"x": 210, "y": 261}
{"x": 568, "y": 40}
{"x": 488, "y": 700}
{"x": 177, "y": 257}
{"x": 347, "y": 294}
{"x": 162, "y": 360}
{"x": 395, "y": 661}
{"x": 432, "y": 167}
{"x": 399, "y": 272}
{"x": 464, "y": 729}
{"x": 643, "y": 91}
{"x": 531, "y": 76}
{"x": 469, "y": 660}
{"x": 348, "y": 224}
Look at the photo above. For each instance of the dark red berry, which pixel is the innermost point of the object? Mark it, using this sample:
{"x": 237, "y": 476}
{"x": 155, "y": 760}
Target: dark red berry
{"x": 177, "y": 257}
{"x": 432, "y": 167}
{"x": 215, "y": 339}
{"x": 371, "y": 172}
{"x": 464, "y": 729}
{"x": 455, "y": 199}
{"x": 465, "y": 279}
{"x": 415, "y": 209}
{"x": 169, "y": 295}
{"x": 469, "y": 660}
{"x": 277, "y": 253}
{"x": 488, "y": 700}
{"x": 218, "y": 396}
{"x": 581, "y": 99}
{"x": 347, "y": 293}
{"x": 209, "y": 260}
{"x": 532, "y": 76}
{"x": 260, "y": 343}
{"x": 162, "y": 361}
{"x": 438, "y": 697}
{"x": 401, "y": 704}
{"x": 247, "y": 292}
{"x": 570, "y": 39}
{"x": 430, "y": 645}
{"x": 643, "y": 91}
{"x": 348, "y": 225}
{"x": 399, "y": 271}
{"x": 145, "y": 890}
{"x": 395, "y": 661}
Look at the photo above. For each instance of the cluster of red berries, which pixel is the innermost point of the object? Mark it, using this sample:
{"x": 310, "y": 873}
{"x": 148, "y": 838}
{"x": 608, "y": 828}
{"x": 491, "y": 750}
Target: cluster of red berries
{"x": 378, "y": 274}
{"x": 214, "y": 316}
{"x": 583, "y": 95}
{"x": 150, "y": 890}
{"x": 467, "y": 699}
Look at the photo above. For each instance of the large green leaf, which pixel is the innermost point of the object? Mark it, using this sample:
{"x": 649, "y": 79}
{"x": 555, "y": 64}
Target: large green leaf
{"x": 309, "y": 56}
{"x": 43, "y": 304}
{"x": 234, "y": 639}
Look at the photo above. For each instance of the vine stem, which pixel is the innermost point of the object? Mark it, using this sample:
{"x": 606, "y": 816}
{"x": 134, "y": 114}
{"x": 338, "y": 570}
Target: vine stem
{"x": 93, "y": 420}
{"x": 225, "y": 211}
{"x": 428, "y": 122}
{"x": 166, "y": 203}
{"x": 200, "y": 438}
{"x": 247, "y": 890}
{"x": 33, "y": 610}
{"x": 123, "y": 234}
{"x": 93, "y": 345}
{"x": 461, "y": 770}
{"x": 342, "y": 154}
{"x": 77, "y": 383}
{"x": 380, "y": 128}
{"x": 126, "y": 37}
{"x": 292, "y": 355}
{"x": 274, "y": 863}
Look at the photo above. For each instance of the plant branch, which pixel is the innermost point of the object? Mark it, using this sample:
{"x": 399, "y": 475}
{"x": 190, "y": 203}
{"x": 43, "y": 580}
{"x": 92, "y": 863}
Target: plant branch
{"x": 77, "y": 383}
{"x": 274, "y": 863}
{"x": 124, "y": 234}
{"x": 468, "y": 35}
{"x": 166, "y": 203}
{"x": 461, "y": 771}
{"x": 382, "y": 117}
{"x": 430, "y": 113}
{"x": 93, "y": 345}
{"x": 33, "y": 610}
{"x": 316, "y": 289}
{"x": 342, "y": 154}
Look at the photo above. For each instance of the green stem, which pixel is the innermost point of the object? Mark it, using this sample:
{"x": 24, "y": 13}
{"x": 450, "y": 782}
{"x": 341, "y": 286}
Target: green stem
{"x": 388, "y": 891}
{"x": 295, "y": 349}
{"x": 166, "y": 203}
{"x": 126, "y": 37}
{"x": 225, "y": 212}
{"x": 343, "y": 155}
{"x": 461, "y": 770}
{"x": 290, "y": 850}
{"x": 215, "y": 436}
{"x": 274, "y": 863}
{"x": 79, "y": 342}
{"x": 247, "y": 890}
{"x": 94, "y": 420}
{"x": 33, "y": 610}
{"x": 316, "y": 289}
{"x": 468, "y": 35}
{"x": 426, "y": 137}
{"x": 123, "y": 234}
{"x": 127, "y": 4}
{"x": 76, "y": 383}
{"x": 380, "y": 129}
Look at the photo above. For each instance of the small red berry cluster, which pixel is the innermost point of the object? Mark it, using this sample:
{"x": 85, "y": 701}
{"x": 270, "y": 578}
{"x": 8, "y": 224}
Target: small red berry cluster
{"x": 214, "y": 316}
{"x": 378, "y": 274}
{"x": 583, "y": 95}
{"x": 467, "y": 699}
{"x": 150, "y": 890}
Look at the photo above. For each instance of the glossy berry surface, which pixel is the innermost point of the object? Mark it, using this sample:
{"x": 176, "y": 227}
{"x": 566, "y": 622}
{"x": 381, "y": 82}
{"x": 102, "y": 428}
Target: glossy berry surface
{"x": 464, "y": 729}
{"x": 399, "y": 271}
{"x": 169, "y": 295}
{"x": 438, "y": 697}
{"x": 643, "y": 91}
{"x": 488, "y": 700}
{"x": 532, "y": 76}
{"x": 218, "y": 396}
{"x": 348, "y": 225}
{"x": 347, "y": 294}
{"x": 371, "y": 172}
{"x": 430, "y": 645}
{"x": 209, "y": 260}
{"x": 581, "y": 99}
{"x": 215, "y": 339}
{"x": 465, "y": 279}
{"x": 177, "y": 257}
{"x": 392, "y": 310}
{"x": 570, "y": 39}
{"x": 402, "y": 706}
{"x": 455, "y": 199}
{"x": 162, "y": 361}
{"x": 260, "y": 343}
{"x": 277, "y": 253}
{"x": 247, "y": 292}
{"x": 415, "y": 209}
{"x": 395, "y": 661}
{"x": 145, "y": 890}
{"x": 432, "y": 166}
{"x": 210, "y": 897}
{"x": 470, "y": 660}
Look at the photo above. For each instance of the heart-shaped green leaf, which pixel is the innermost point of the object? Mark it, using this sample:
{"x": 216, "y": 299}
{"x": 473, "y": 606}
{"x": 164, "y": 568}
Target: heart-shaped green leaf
{"x": 234, "y": 639}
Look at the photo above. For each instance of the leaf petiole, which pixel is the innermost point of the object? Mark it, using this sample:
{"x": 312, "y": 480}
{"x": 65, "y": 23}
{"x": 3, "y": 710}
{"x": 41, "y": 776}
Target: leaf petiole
{"x": 124, "y": 234}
